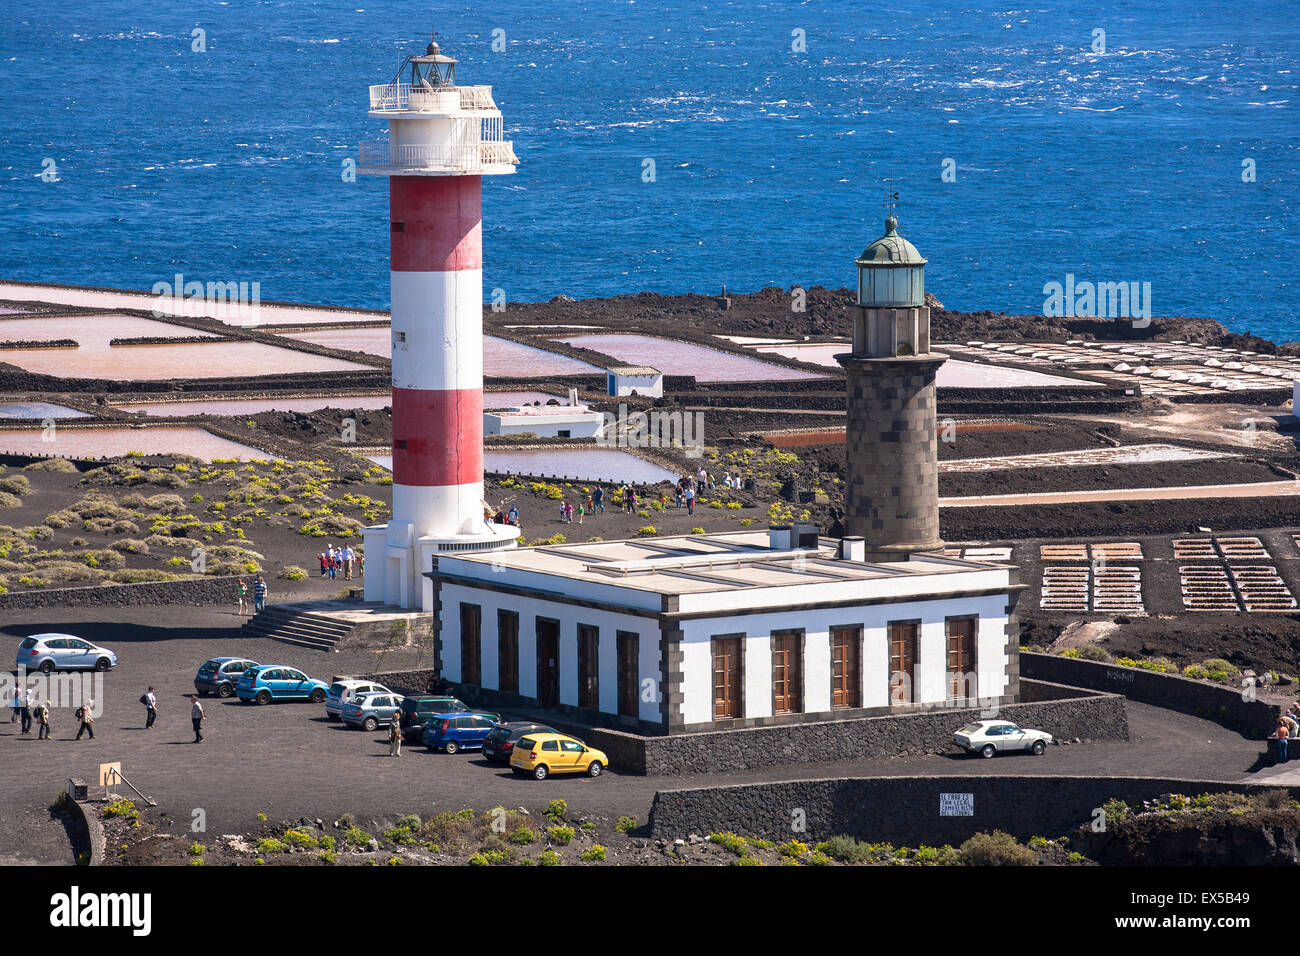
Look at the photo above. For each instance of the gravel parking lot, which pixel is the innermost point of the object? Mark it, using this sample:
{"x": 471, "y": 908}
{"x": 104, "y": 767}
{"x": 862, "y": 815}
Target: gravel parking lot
{"x": 288, "y": 761}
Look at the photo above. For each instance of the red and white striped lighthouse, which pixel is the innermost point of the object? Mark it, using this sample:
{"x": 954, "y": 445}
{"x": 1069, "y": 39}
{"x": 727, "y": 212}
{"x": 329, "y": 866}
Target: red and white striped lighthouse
{"x": 442, "y": 139}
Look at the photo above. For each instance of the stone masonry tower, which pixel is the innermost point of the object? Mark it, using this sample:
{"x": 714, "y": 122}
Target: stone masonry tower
{"x": 892, "y": 499}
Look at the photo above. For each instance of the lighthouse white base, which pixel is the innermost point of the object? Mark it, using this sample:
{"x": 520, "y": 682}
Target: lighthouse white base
{"x": 397, "y": 559}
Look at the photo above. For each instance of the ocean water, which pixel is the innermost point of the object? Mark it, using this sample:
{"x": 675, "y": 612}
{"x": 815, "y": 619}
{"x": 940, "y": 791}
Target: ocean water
{"x": 769, "y": 161}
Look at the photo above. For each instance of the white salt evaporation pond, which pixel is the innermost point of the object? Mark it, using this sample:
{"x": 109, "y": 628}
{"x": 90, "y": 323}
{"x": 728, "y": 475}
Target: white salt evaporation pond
{"x": 585, "y": 464}
{"x": 682, "y": 358}
{"x": 502, "y": 358}
{"x": 95, "y": 358}
{"x": 73, "y": 442}
{"x": 952, "y": 373}
{"x": 251, "y": 406}
{"x": 266, "y": 314}
{"x": 1124, "y": 455}
{"x": 41, "y": 410}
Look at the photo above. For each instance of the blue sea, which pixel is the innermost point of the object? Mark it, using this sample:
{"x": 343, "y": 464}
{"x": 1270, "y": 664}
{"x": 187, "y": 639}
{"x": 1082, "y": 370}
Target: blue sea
{"x": 776, "y": 131}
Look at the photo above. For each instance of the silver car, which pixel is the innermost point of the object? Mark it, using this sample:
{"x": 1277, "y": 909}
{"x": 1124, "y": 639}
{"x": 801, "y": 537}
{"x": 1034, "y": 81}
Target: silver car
{"x": 369, "y": 711}
{"x": 341, "y": 691}
{"x": 62, "y": 652}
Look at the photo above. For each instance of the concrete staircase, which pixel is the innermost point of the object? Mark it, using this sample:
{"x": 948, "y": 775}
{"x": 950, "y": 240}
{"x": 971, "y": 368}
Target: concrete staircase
{"x": 298, "y": 624}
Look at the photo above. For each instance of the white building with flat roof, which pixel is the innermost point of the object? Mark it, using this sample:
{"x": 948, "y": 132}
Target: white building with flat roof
{"x": 546, "y": 421}
{"x": 627, "y": 380}
{"x": 704, "y": 632}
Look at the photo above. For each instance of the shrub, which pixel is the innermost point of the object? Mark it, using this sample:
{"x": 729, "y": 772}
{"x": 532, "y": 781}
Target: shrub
{"x": 16, "y": 485}
{"x": 300, "y": 838}
{"x": 1094, "y": 652}
{"x": 1072, "y": 653}
{"x": 994, "y": 849}
{"x": 59, "y": 466}
{"x": 293, "y": 573}
{"x": 8, "y": 500}
{"x": 121, "y": 808}
{"x": 730, "y": 841}
{"x": 411, "y": 821}
{"x": 935, "y": 855}
{"x": 141, "y": 575}
{"x": 328, "y": 857}
{"x": 1216, "y": 668}
{"x": 130, "y": 546}
{"x": 746, "y": 522}
{"x": 593, "y": 853}
{"x": 817, "y": 858}
{"x": 399, "y": 835}
{"x": 124, "y": 527}
{"x": 38, "y": 532}
{"x": 522, "y": 835}
{"x": 60, "y": 519}
{"x": 272, "y": 845}
{"x": 625, "y": 825}
{"x": 355, "y": 836}
{"x": 108, "y": 560}
{"x": 548, "y": 858}
{"x": 555, "y": 810}
{"x": 560, "y": 834}
{"x": 792, "y": 848}
{"x": 646, "y": 532}
{"x": 848, "y": 850}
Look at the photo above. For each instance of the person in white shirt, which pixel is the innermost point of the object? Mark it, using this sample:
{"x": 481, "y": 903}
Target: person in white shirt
{"x": 150, "y": 701}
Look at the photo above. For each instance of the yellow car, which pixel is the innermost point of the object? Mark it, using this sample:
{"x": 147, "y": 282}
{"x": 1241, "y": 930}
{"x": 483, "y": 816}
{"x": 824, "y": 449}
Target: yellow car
{"x": 544, "y": 754}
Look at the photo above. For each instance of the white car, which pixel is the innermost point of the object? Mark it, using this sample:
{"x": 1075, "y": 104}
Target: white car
{"x": 62, "y": 652}
{"x": 991, "y": 737}
{"x": 342, "y": 691}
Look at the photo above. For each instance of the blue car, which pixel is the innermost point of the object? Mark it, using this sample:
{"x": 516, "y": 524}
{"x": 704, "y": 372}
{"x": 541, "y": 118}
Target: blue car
{"x": 458, "y": 730}
{"x": 268, "y": 682}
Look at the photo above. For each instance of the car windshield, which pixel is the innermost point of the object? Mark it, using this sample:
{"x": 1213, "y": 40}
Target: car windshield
{"x": 970, "y": 728}
{"x": 28, "y": 644}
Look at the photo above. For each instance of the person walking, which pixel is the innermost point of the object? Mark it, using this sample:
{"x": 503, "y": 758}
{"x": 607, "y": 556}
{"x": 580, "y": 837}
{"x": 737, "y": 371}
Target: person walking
{"x": 598, "y": 499}
{"x": 395, "y": 735}
{"x": 150, "y": 701}
{"x": 17, "y": 696}
{"x": 582, "y": 510}
{"x": 689, "y": 494}
{"x": 87, "y": 720}
{"x": 259, "y": 594}
{"x": 324, "y": 563}
{"x": 348, "y": 557}
{"x": 196, "y": 718}
{"x": 43, "y": 718}
{"x": 513, "y": 516}
{"x": 241, "y": 593}
{"x": 25, "y": 710}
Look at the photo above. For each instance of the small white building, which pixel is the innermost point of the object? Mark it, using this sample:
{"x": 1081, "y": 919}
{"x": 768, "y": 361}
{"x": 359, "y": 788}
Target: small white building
{"x": 706, "y": 632}
{"x": 545, "y": 421}
{"x": 640, "y": 380}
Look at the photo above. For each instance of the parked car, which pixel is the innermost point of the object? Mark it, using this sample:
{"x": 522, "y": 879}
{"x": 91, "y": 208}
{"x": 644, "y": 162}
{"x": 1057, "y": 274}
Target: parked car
{"x": 458, "y": 731}
{"x": 544, "y": 754}
{"x": 501, "y": 741}
{"x": 268, "y": 682}
{"x": 417, "y": 710}
{"x": 368, "y": 711}
{"x": 220, "y": 675}
{"x": 991, "y": 737}
{"x": 342, "y": 691}
{"x": 62, "y": 652}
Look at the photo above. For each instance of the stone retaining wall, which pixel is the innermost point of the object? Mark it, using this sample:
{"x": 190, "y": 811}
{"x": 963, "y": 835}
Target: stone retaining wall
{"x": 205, "y": 590}
{"x": 1063, "y": 713}
{"x": 1219, "y": 703}
{"x": 905, "y": 811}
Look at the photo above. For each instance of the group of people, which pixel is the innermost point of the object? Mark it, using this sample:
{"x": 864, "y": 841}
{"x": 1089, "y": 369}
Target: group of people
{"x": 259, "y": 591}
{"x": 26, "y": 711}
{"x": 334, "y": 560}
{"x": 501, "y": 516}
{"x": 1288, "y": 728}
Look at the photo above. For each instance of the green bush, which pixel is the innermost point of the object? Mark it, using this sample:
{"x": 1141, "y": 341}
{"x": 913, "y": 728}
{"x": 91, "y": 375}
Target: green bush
{"x": 548, "y": 858}
{"x": 16, "y": 485}
{"x": 523, "y": 835}
{"x": 995, "y": 849}
{"x": 560, "y": 834}
{"x": 292, "y": 573}
{"x": 646, "y": 532}
{"x": 625, "y": 825}
{"x": 593, "y": 854}
{"x": 355, "y": 836}
{"x": 730, "y": 841}
{"x": 555, "y": 810}
{"x": 59, "y": 466}
{"x": 300, "y": 838}
{"x": 848, "y": 850}
{"x": 1095, "y": 652}
{"x": 272, "y": 845}
{"x": 130, "y": 546}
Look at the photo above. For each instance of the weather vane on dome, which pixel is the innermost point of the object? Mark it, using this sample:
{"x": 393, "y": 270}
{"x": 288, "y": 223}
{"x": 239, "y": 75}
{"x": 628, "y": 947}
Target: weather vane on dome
{"x": 891, "y": 195}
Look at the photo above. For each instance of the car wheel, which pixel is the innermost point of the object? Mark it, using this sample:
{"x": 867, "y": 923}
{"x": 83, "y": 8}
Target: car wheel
{"x": 540, "y": 772}
{"x": 1039, "y": 748}
{"x": 594, "y": 768}
{"x": 370, "y": 725}
{"x": 225, "y": 690}
{"x": 102, "y": 664}
{"x": 317, "y": 696}
{"x": 451, "y": 746}
{"x": 47, "y": 667}
{"x": 988, "y": 750}
{"x": 263, "y": 696}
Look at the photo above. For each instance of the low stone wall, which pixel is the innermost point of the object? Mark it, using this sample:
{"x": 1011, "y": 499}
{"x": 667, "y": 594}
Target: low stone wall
{"x": 1221, "y": 704}
{"x": 407, "y": 683}
{"x": 905, "y": 811}
{"x": 205, "y": 590}
{"x": 1062, "y": 712}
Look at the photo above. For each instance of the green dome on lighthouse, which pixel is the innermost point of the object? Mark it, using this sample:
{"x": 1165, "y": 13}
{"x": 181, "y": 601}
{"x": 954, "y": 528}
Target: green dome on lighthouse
{"x": 891, "y": 249}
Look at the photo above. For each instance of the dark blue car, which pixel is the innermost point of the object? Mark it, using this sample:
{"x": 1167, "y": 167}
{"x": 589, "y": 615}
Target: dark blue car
{"x": 458, "y": 730}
